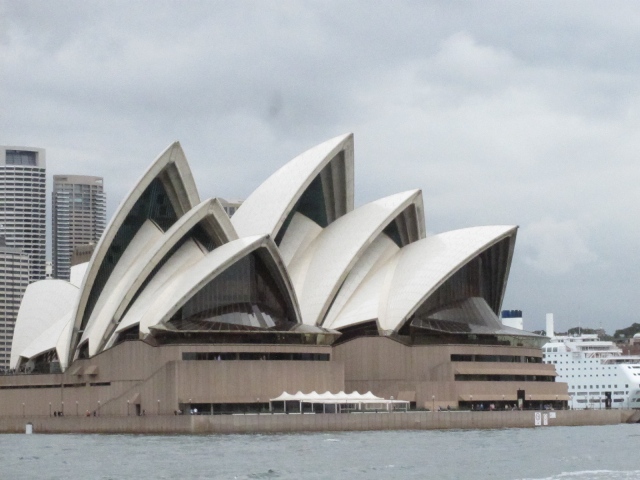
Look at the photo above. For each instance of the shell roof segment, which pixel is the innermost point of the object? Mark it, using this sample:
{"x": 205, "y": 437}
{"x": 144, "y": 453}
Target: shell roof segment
{"x": 214, "y": 229}
{"x": 319, "y": 272}
{"x": 43, "y": 305}
{"x": 190, "y": 281}
{"x": 165, "y": 192}
{"x": 185, "y": 256}
{"x": 53, "y": 338}
{"x": 324, "y": 172}
{"x": 403, "y": 284}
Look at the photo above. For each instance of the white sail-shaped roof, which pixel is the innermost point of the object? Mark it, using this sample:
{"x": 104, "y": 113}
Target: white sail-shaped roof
{"x": 169, "y": 172}
{"x": 323, "y": 264}
{"x": 144, "y": 259}
{"x": 147, "y": 235}
{"x": 190, "y": 281}
{"x": 395, "y": 291}
{"x": 44, "y": 303}
{"x": 299, "y": 235}
{"x": 321, "y": 270}
{"x": 186, "y": 256}
{"x": 268, "y": 207}
{"x": 373, "y": 258}
{"x": 77, "y": 274}
{"x": 53, "y": 338}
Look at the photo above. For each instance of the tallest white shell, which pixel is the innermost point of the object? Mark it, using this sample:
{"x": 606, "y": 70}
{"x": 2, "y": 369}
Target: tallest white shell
{"x": 267, "y": 208}
{"x": 172, "y": 167}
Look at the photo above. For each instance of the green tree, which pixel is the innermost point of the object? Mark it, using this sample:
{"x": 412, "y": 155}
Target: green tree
{"x": 627, "y": 332}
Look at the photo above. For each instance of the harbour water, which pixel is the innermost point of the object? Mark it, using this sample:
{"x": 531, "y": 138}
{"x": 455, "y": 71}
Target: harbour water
{"x": 597, "y": 453}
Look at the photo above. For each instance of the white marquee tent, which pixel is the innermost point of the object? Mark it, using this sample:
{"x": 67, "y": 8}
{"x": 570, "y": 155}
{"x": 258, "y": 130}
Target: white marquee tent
{"x": 341, "y": 400}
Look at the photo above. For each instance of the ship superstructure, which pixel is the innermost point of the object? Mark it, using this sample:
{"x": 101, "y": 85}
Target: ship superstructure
{"x": 597, "y": 373}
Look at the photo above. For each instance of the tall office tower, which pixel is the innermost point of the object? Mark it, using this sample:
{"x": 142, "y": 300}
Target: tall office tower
{"x": 23, "y": 204}
{"x": 14, "y": 278}
{"x": 79, "y": 217}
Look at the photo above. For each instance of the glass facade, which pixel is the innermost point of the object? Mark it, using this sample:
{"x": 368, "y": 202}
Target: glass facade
{"x": 21, "y": 157}
{"x": 78, "y": 219}
{"x": 243, "y": 297}
{"x": 220, "y": 356}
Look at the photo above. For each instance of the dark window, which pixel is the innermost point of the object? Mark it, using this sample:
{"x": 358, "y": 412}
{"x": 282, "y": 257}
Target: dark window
{"x": 494, "y": 358}
{"x": 21, "y": 157}
{"x": 503, "y": 378}
{"x": 220, "y": 356}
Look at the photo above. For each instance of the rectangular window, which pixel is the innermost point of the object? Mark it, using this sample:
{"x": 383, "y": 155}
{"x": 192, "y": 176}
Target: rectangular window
{"x": 220, "y": 356}
{"x": 21, "y": 157}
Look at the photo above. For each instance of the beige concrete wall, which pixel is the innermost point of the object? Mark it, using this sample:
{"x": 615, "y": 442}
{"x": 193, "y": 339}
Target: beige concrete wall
{"x": 266, "y": 423}
{"x": 387, "y": 367}
{"x": 144, "y": 374}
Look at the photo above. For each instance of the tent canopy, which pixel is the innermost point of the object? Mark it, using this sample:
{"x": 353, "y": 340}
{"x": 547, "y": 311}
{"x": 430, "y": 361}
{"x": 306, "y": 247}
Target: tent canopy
{"x": 334, "y": 398}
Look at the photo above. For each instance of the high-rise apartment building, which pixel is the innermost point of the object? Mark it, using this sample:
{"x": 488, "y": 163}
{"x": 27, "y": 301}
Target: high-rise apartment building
{"x": 14, "y": 278}
{"x": 79, "y": 217}
{"x": 23, "y": 204}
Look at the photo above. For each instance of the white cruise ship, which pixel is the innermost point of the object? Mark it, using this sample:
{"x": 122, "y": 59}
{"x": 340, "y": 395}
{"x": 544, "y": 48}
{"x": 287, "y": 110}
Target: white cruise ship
{"x": 595, "y": 370}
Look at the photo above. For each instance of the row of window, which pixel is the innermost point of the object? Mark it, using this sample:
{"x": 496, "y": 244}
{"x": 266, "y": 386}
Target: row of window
{"x": 584, "y": 400}
{"x": 494, "y": 358}
{"x": 322, "y": 357}
{"x": 66, "y": 385}
{"x": 582, "y": 394}
{"x": 503, "y": 378}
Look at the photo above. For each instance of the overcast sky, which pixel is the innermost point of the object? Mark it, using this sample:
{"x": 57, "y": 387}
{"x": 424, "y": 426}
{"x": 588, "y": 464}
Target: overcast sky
{"x": 524, "y": 113}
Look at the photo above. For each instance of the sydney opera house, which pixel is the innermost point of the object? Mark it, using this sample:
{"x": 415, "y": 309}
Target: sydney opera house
{"x": 182, "y": 307}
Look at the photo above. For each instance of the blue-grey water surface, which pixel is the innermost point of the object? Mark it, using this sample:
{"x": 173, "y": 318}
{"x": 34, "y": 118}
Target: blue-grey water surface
{"x": 599, "y": 453}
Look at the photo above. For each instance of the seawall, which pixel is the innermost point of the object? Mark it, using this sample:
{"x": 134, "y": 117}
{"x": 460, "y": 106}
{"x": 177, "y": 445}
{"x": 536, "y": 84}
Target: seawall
{"x": 296, "y": 423}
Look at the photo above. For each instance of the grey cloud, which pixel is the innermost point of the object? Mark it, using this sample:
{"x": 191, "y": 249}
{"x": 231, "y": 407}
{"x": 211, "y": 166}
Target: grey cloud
{"x": 501, "y": 112}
